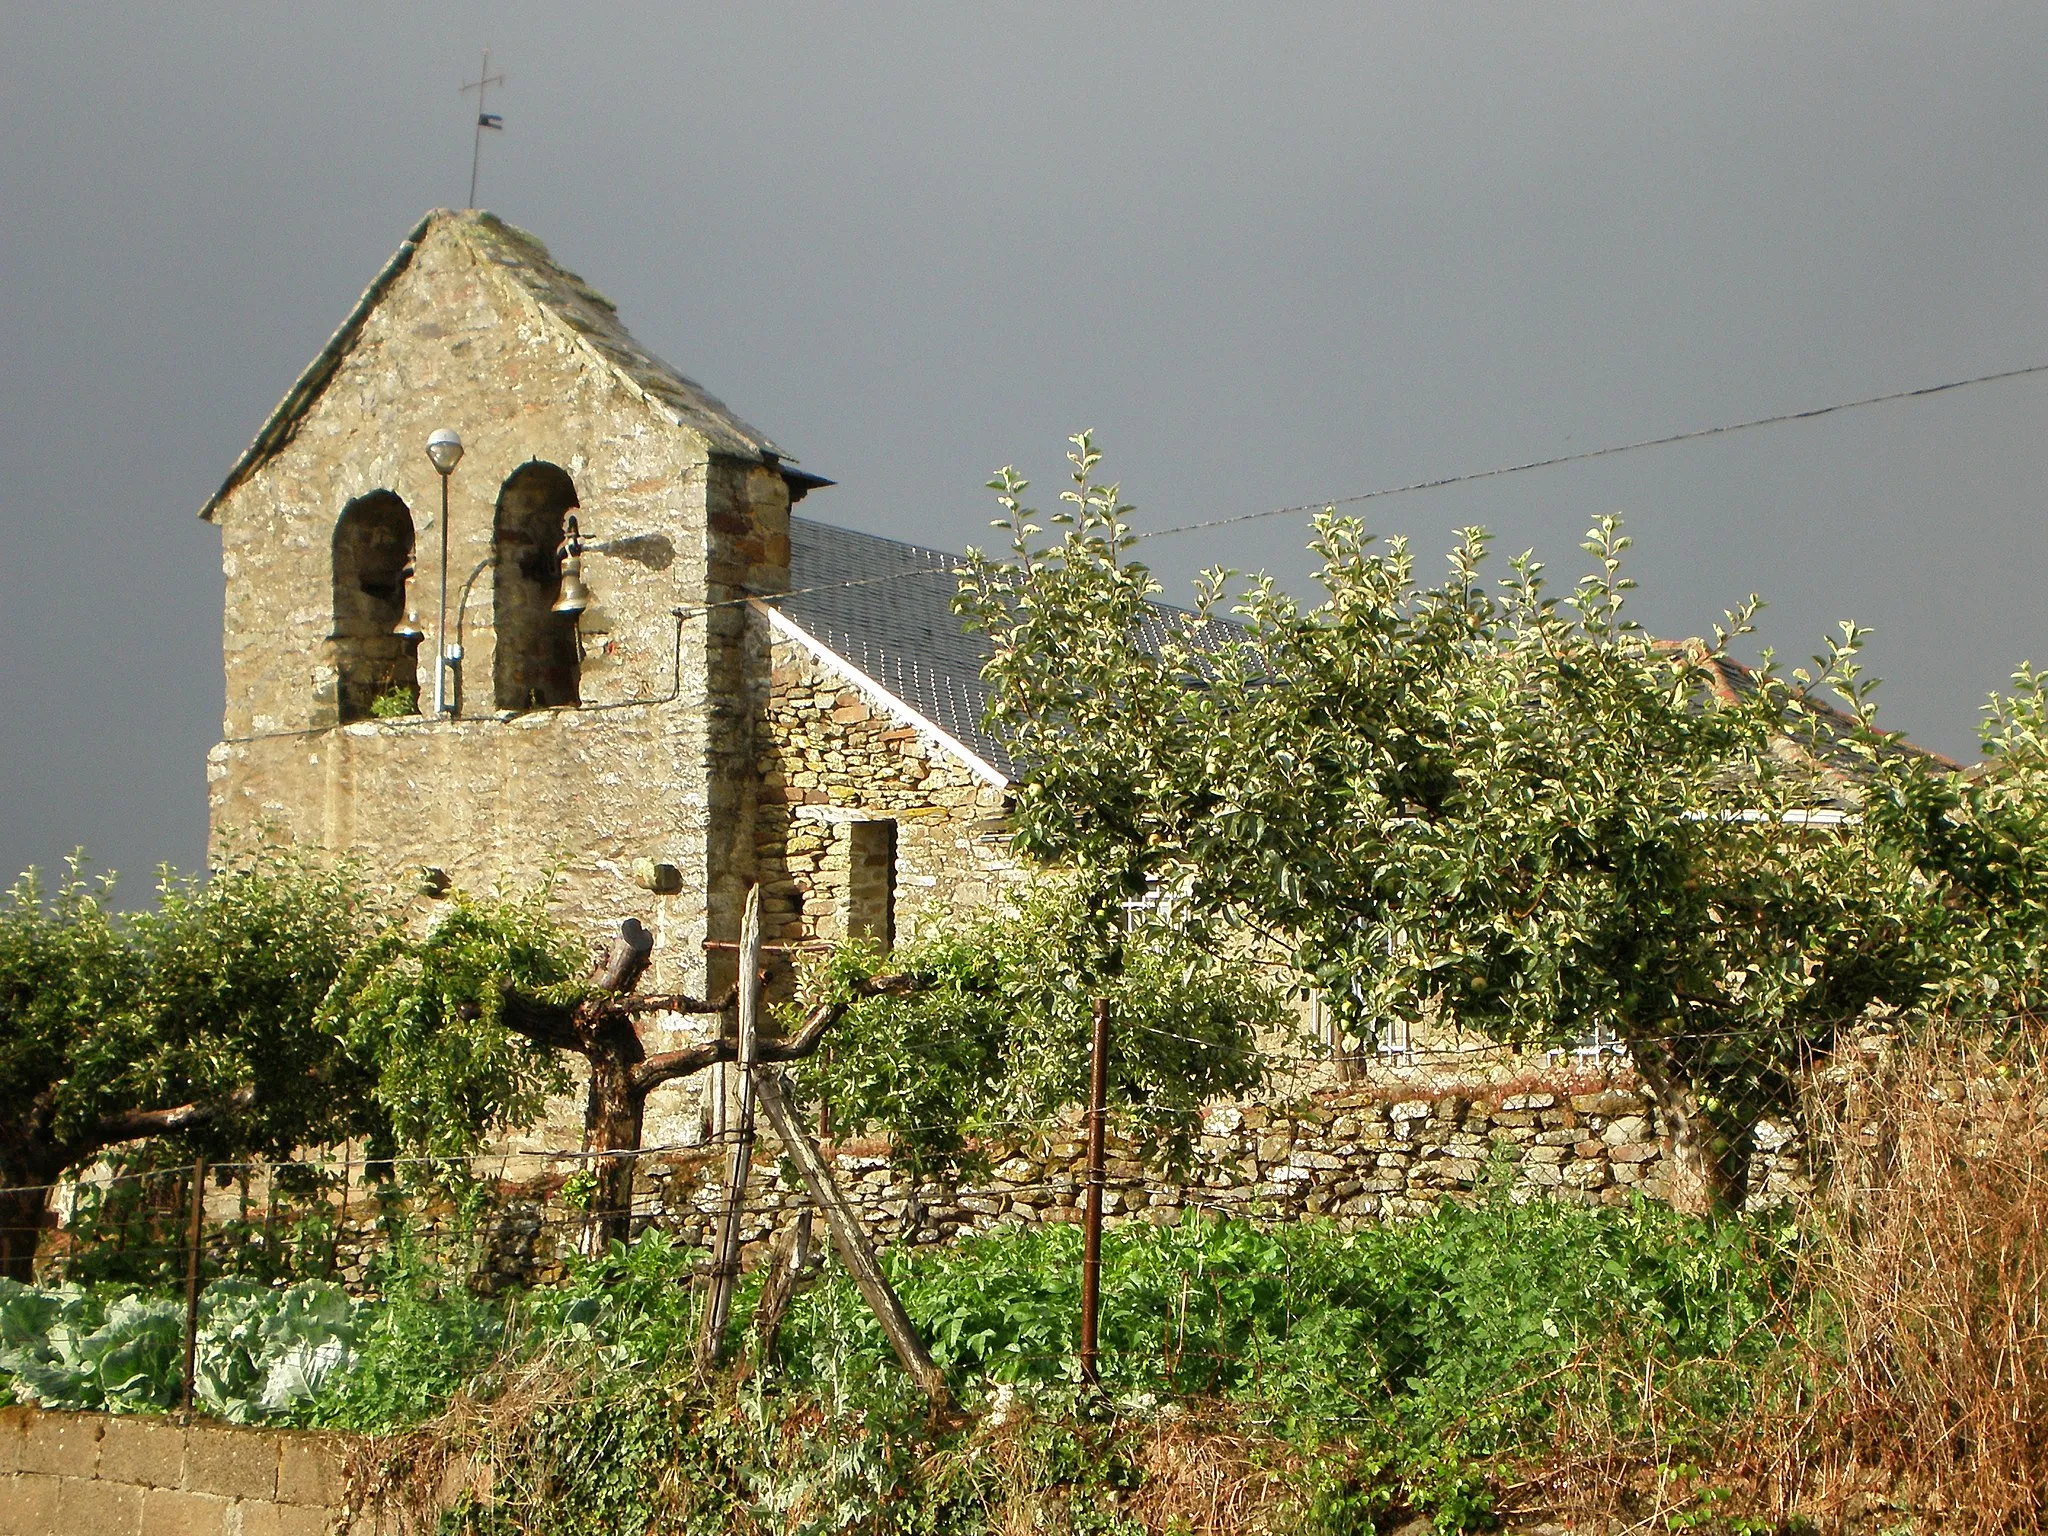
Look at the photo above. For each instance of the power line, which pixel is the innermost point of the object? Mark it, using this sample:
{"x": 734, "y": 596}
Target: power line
{"x": 952, "y": 570}
{"x": 1601, "y": 453}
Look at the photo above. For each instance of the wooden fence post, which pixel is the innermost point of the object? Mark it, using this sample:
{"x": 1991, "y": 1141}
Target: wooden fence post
{"x": 851, "y": 1241}
{"x": 725, "y": 1261}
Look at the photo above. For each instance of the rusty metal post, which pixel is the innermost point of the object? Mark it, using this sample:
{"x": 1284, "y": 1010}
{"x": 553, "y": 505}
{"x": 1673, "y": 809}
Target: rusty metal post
{"x": 192, "y": 1283}
{"x": 1091, "y": 1232}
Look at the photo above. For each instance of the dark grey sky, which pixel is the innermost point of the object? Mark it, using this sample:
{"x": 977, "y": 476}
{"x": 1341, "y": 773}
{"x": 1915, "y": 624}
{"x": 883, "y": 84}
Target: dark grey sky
{"x": 1269, "y": 253}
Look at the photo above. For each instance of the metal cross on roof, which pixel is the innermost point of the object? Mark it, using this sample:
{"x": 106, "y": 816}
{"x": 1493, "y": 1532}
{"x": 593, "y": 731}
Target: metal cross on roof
{"x": 481, "y": 85}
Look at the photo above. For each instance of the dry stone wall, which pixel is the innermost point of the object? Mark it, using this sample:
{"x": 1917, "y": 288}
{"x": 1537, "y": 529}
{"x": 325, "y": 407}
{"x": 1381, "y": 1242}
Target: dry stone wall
{"x": 1356, "y": 1155}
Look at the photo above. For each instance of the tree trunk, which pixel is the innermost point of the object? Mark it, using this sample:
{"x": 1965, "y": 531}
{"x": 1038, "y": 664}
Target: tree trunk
{"x": 23, "y": 1214}
{"x": 612, "y": 1122}
{"x": 1708, "y": 1165}
{"x": 787, "y": 1259}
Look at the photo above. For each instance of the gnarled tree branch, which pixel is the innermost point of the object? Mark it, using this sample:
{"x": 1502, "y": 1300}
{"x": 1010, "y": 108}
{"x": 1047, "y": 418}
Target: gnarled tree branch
{"x": 132, "y": 1124}
{"x": 670, "y": 1065}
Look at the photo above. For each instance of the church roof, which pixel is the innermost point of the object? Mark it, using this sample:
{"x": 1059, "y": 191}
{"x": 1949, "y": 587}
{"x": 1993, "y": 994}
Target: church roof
{"x": 563, "y": 297}
{"x": 887, "y": 608}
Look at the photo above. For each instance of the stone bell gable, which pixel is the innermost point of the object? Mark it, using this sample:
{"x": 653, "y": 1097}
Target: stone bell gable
{"x": 601, "y": 747}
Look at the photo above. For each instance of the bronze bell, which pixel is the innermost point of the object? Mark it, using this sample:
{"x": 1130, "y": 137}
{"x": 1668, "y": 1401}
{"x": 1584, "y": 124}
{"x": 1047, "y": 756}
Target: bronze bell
{"x": 408, "y": 628}
{"x": 575, "y": 596}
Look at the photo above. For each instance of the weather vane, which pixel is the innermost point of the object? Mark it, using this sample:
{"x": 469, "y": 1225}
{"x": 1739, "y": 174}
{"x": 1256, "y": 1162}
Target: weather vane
{"x": 482, "y": 85}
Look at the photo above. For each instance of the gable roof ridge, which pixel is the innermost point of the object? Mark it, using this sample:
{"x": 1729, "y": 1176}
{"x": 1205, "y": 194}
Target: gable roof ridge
{"x": 561, "y": 297}
{"x": 559, "y": 293}
{"x": 283, "y": 422}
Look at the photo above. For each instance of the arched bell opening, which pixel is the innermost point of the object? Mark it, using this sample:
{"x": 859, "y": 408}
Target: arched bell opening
{"x": 376, "y": 668}
{"x": 537, "y": 665}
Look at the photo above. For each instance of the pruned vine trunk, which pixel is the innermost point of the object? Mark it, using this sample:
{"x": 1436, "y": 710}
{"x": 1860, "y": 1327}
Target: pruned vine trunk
{"x": 613, "y": 1118}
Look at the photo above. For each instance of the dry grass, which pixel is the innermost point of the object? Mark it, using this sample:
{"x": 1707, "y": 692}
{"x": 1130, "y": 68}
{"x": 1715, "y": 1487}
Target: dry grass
{"x": 1935, "y": 1254}
{"x": 1908, "y": 1385}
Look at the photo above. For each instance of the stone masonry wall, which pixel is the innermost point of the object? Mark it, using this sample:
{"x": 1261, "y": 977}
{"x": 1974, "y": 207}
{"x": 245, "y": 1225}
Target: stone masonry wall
{"x": 831, "y": 754}
{"x": 88, "y": 1474}
{"x": 657, "y": 764}
{"x": 1356, "y": 1154}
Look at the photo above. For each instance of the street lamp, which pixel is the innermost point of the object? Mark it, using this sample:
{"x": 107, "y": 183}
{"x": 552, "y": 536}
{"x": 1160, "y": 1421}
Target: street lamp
{"x": 444, "y": 448}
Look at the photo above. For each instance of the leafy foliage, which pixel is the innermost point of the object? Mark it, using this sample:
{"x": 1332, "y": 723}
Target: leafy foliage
{"x": 263, "y": 1352}
{"x": 1504, "y": 809}
{"x": 1397, "y": 1367}
{"x": 211, "y": 1000}
{"x": 997, "y": 1037}
{"x": 429, "y": 1012}
{"x": 1401, "y": 1367}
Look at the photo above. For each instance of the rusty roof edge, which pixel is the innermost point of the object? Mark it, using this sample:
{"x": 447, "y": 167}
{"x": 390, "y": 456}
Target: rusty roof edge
{"x": 278, "y": 428}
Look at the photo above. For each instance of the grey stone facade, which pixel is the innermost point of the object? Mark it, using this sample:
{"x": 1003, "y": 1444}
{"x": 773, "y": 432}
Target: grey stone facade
{"x": 636, "y": 738}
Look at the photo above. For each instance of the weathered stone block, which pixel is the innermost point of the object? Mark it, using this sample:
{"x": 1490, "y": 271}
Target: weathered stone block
{"x": 169, "y": 1512}
{"x": 98, "y": 1508}
{"x": 235, "y": 1463}
{"x": 288, "y": 1520}
{"x": 28, "y": 1505}
{"x": 62, "y": 1444}
{"x": 148, "y": 1452}
{"x": 1585, "y": 1175}
{"x": 309, "y": 1469}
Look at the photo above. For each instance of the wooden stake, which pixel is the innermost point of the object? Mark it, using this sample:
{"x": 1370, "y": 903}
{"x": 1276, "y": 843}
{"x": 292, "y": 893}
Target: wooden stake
{"x": 1091, "y": 1239}
{"x": 850, "y": 1240}
{"x": 192, "y": 1283}
{"x": 725, "y": 1261}
{"x": 786, "y": 1261}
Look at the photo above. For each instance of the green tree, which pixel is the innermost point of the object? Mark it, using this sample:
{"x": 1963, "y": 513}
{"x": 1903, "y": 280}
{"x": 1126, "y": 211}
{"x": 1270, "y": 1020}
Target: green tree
{"x": 469, "y": 1024}
{"x": 1502, "y": 808}
{"x": 197, "y": 1020}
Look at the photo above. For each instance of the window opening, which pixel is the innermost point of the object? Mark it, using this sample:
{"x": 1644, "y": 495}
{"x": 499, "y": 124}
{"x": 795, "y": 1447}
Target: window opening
{"x": 871, "y": 882}
{"x": 1591, "y": 1050}
{"x": 537, "y": 665}
{"x": 376, "y": 670}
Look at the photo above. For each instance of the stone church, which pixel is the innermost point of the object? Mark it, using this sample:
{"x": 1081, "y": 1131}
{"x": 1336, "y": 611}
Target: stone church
{"x": 660, "y": 684}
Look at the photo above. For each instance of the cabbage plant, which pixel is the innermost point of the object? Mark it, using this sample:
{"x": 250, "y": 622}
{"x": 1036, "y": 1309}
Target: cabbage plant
{"x": 263, "y": 1351}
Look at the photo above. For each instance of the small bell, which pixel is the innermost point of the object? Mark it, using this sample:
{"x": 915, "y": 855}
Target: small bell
{"x": 408, "y": 629}
{"x": 575, "y": 596}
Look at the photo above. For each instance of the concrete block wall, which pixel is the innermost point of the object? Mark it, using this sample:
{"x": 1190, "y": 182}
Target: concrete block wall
{"x": 89, "y": 1474}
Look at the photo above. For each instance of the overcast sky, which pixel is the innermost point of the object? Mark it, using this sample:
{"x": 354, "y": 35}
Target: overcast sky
{"x": 1269, "y": 253}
